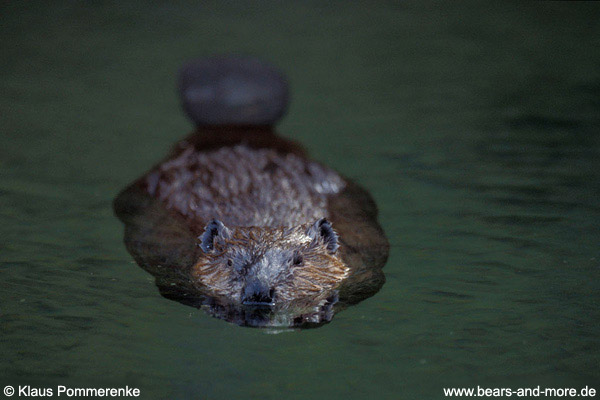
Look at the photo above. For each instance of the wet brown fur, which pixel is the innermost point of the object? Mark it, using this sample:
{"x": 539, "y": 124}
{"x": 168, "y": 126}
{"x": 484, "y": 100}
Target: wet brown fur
{"x": 162, "y": 239}
{"x": 310, "y": 282}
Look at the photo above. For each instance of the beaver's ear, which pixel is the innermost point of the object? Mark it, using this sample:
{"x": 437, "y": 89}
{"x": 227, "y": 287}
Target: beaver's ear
{"x": 213, "y": 231}
{"x": 322, "y": 231}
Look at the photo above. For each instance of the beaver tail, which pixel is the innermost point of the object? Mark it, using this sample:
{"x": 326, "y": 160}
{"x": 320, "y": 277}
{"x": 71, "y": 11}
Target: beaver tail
{"x": 232, "y": 90}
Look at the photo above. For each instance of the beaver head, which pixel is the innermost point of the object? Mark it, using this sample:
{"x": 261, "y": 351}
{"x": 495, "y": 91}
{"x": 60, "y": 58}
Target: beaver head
{"x": 269, "y": 267}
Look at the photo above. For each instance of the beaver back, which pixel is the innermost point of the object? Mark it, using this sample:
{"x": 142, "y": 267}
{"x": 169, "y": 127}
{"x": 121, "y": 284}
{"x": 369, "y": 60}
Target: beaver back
{"x": 244, "y": 186}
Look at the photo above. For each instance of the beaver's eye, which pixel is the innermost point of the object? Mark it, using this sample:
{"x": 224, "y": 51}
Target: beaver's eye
{"x": 230, "y": 263}
{"x": 297, "y": 260}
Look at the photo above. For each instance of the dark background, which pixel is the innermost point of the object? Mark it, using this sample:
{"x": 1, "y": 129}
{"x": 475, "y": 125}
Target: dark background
{"x": 474, "y": 125}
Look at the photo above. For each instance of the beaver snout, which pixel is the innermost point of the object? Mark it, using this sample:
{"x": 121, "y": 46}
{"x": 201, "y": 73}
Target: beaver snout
{"x": 257, "y": 293}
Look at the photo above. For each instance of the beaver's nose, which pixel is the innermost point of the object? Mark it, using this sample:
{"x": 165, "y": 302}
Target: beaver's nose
{"x": 257, "y": 294}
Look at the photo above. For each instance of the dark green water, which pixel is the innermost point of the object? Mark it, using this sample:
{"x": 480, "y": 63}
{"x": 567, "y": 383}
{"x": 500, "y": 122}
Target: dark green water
{"x": 475, "y": 127}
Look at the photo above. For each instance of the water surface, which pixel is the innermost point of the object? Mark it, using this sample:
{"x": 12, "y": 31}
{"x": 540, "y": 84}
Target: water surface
{"x": 474, "y": 126}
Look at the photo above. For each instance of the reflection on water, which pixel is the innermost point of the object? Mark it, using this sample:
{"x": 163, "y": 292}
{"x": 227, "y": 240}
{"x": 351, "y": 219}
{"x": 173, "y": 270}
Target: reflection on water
{"x": 473, "y": 126}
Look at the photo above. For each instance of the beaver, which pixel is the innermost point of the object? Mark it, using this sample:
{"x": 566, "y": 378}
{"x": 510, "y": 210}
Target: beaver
{"x": 240, "y": 222}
